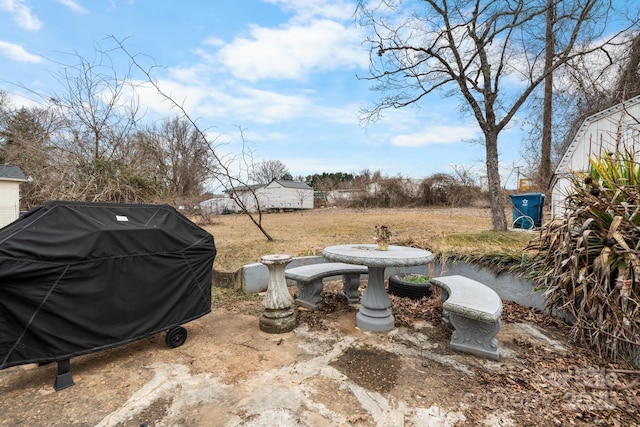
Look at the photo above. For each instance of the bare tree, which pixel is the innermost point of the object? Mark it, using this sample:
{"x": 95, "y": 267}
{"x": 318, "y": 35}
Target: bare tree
{"x": 83, "y": 144}
{"x": 464, "y": 175}
{"x": 27, "y": 141}
{"x": 230, "y": 172}
{"x": 585, "y": 86}
{"x": 301, "y": 197}
{"x": 474, "y": 49}
{"x": 97, "y": 105}
{"x": 99, "y": 113}
{"x": 266, "y": 171}
{"x": 629, "y": 82}
{"x": 183, "y": 156}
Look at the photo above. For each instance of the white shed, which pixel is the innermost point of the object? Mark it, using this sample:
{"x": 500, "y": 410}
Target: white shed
{"x": 10, "y": 179}
{"x": 609, "y": 130}
{"x": 281, "y": 194}
{"x": 276, "y": 195}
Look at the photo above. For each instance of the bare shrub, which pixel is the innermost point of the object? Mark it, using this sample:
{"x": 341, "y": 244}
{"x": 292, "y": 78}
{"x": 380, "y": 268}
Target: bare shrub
{"x": 445, "y": 190}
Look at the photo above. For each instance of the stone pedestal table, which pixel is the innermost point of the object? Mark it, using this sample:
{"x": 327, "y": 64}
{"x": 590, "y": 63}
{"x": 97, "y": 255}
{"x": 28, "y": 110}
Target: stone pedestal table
{"x": 278, "y": 315}
{"x": 374, "y": 314}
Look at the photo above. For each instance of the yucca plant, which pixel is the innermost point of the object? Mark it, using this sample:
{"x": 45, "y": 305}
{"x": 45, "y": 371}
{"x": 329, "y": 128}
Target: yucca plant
{"x": 588, "y": 263}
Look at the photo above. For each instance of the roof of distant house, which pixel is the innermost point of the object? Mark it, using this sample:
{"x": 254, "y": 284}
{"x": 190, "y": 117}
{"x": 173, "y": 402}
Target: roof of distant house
{"x": 11, "y": 173}
{"x": 282, "y": 182}
{"x": 242, "y": 188}
{"x": 292, "y": 184}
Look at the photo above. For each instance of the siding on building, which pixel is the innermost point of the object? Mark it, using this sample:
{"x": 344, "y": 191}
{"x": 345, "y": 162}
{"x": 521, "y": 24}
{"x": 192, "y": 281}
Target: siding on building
{"x": 276, "y": 195}
{"x": 610, "y": 130}
{"x": 10, "y": 179}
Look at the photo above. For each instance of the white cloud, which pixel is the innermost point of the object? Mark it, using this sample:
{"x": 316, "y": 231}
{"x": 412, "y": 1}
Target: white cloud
{"x": 258, "y": 137}
{"x": 214, "y": 41}
{"x": 73, "y": 5}
{"x": 293, "y": 51}
{"x": 264, "y": 106}
{"x": 22, "y": 15}
{"x": 188, "y": 97}
{"x": 238, "y": 105}
{"x": 17, "y": 53}
{"x": 308, "y": 9}
{"x": 23, "y": 100}
{"x": 436, "y": 135}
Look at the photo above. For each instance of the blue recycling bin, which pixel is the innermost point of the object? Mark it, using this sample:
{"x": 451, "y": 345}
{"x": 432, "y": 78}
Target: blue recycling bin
{"x": 527, "y": 210}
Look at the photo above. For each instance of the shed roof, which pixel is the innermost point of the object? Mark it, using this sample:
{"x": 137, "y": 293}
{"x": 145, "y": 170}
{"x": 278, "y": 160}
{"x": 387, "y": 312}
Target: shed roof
{"x": 281, "y": 182}
{"x": 11, "y": 173}
{"x": 293, "y": 184}
{"x": 243, "y": 188}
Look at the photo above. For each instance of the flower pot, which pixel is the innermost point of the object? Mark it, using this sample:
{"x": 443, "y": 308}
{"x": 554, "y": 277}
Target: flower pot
{"x": 383, "y": 246}
{"x": 403, "y": 288}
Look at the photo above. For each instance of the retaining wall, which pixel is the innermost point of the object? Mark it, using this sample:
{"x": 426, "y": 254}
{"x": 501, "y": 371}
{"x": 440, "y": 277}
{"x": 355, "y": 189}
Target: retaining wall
{"x": 255, "y": 278}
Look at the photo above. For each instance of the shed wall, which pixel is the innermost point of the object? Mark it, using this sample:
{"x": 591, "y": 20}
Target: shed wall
{"x": 609, "y": 131}
{"x": 9, "y": 202}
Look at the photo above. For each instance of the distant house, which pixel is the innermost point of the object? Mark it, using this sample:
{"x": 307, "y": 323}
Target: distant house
{"x": 610, "y": 130}
{"x": 10, "y": 179}
{"x": 276, "y": 195}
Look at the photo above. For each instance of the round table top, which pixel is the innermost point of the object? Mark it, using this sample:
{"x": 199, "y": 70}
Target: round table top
{"x": 276, "y": 259}
{"x": 371, "y": 256}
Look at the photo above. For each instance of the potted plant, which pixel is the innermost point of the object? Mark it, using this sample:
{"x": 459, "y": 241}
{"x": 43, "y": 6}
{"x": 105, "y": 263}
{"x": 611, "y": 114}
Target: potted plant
{"x": 411, "y": 285}
{"x": 382, "y": 237}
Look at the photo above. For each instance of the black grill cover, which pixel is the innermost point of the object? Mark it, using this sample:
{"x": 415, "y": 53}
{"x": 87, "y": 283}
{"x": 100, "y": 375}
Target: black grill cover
{"x": 80, "y": 277}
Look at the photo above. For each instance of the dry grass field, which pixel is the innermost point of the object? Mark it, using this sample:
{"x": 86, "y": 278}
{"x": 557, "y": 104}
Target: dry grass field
{"x": 461, "y": 230}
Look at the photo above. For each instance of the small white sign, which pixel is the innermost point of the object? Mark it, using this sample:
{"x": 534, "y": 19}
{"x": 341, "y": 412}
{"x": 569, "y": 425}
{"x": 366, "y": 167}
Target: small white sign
{"x": 121, "y": 218}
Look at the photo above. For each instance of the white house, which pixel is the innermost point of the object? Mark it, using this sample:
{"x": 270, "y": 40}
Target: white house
{"x": 276, "y": 195}
{"x": 10, "y": 179}
{"x": 610, "y": 130}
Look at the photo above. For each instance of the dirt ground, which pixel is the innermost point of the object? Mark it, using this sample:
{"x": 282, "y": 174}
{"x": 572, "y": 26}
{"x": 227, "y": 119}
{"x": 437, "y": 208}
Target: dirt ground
{"x": 328, "y": 372}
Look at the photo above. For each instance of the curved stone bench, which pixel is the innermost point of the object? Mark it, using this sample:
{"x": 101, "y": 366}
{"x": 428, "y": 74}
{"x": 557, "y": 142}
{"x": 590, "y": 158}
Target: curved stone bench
{"x": 473, "y": 310}
{"x": 309, "y": 280}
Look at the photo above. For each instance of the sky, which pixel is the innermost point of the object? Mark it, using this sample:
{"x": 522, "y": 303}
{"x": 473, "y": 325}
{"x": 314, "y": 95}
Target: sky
{"x": 286, "y": 72}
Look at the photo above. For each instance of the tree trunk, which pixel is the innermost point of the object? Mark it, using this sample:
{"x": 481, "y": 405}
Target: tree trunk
{"x": 544, "y": 171}
{"x": 498, "y": 219}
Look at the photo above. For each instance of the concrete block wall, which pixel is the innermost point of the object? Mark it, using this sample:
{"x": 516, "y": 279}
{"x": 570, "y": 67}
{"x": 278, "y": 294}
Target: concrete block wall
{"x": 510, "y": 287}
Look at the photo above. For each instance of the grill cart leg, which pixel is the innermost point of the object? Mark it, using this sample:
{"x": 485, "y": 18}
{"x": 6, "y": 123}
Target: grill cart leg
{"x": 64, "y": 378}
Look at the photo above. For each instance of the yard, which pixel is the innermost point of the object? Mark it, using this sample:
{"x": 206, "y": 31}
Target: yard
{"x": 328, "y": 372}
{"x": 306, "y": 233}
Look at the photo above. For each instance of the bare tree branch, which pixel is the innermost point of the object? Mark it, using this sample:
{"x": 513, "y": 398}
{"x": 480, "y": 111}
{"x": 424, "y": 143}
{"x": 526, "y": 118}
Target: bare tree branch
{"x": 475, "y": 49}
{"x": 222, "y": 169}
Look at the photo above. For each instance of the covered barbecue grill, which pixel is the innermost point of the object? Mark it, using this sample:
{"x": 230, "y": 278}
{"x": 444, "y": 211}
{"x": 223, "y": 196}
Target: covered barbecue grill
{"x": 77, "y": 277}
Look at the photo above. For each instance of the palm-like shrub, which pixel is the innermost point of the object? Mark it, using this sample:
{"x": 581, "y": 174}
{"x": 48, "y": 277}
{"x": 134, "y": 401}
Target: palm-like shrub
{"x": 588, "y": 262}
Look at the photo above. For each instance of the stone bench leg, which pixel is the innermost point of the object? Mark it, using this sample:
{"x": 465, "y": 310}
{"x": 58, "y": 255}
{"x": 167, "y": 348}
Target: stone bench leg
{"x": 445, "y": 314}
{"x": 350, "y": 285}
{"x": 309, "y": 294}
{"x": 474, "y": 337}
